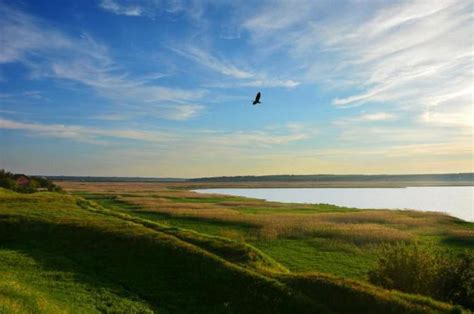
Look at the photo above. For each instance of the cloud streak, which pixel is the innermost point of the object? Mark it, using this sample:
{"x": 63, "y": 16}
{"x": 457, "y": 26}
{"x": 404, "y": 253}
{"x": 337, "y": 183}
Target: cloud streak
{"x": 114, "y": 7}
{"x": 83, "y": 133}
{"x": 196, "y": 138}
{"x": 50, "y": 53}
{"x": 416, "y": 55}
{"x": 240, "y": 77}
{"x": 221, "y": 66}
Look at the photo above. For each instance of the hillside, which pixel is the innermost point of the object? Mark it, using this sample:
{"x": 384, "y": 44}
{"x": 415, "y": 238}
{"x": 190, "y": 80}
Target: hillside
{"x": 61, "y": 253}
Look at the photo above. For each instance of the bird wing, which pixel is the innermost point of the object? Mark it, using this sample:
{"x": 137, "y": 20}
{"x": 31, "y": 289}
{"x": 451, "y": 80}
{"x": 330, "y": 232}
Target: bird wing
{"x": 257, "y": 98}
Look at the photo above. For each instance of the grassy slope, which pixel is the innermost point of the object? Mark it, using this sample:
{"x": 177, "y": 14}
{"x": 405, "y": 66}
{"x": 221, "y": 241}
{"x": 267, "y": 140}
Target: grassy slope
{"x": 59, "y": 253}
{"x": 298, "y": 255}
{"x": 343, "y": 254}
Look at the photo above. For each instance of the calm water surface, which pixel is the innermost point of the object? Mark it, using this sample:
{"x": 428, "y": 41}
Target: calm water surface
{"x": 455, "y": 201}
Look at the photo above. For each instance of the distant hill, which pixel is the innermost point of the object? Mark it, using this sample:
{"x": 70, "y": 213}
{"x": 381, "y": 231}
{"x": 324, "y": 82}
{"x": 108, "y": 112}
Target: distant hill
{"x": 448, "y": 177}
{"x": 112, "y": 179}
{"x": 419, "y": 179}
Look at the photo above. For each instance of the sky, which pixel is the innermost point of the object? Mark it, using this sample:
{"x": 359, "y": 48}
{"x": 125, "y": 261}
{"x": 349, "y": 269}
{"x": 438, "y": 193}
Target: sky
{"x": 164, "y": 88}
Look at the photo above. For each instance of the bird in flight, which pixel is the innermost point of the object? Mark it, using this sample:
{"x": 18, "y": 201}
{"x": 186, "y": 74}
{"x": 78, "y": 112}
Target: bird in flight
{"x": 257, "y": 99}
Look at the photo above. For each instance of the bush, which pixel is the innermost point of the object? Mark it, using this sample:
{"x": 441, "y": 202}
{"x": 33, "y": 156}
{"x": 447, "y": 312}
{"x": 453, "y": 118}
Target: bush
{"x": 8, "y": 181}
{"x": 413, "y": 268}
{"x": 456, "y": 280}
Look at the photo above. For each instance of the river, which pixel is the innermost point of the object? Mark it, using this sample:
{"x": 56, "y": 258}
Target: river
{"x": 457, "y": 201}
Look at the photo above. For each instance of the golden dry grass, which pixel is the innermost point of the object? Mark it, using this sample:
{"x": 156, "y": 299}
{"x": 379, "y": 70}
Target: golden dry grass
{"x": 461, "y": 235}
{"x": 359, "y": 227}
{"x": 137, "y": 186}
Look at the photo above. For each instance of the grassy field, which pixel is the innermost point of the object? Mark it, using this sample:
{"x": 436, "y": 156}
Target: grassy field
{"x": 161, "y": 248}
{"x": 302, "y": 237}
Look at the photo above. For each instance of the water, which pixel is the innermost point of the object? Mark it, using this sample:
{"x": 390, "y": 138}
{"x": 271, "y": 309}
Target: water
{"x": 456, "y": 201}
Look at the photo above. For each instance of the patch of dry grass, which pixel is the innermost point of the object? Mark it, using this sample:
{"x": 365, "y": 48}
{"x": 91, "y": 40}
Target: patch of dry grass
{"x": 461, "y": 235}
{"x": 279, "y": 219}
{"x": 315, "y": 225}
{"x": 355, "y": 227}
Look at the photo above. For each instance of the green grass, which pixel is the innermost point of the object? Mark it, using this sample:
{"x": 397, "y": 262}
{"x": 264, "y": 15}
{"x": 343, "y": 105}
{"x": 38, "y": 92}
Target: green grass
{"x": 61, "y": 253}
{"x": 109, "y": 201}
{"x": 295, "y": 209}
{"x": 203, "y": 200}
{"x": 344, "y": 252}
{"x": 29, "y": 284}
{"x": 206, "y": 226}
{"x": 162, "y": 270}
{"x": 320, "y": 255}
{"x": 298, "y": 255}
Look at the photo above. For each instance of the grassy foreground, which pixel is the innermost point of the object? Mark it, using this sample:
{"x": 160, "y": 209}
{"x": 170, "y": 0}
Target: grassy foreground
{"x": 302, "y": 237}
{"x": 63, "y": 254}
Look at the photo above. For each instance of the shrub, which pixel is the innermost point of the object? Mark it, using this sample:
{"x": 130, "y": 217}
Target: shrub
{"x": 456, "y": 280}
{"x": 418, "y": 269}
{"x": 8, "y": 181}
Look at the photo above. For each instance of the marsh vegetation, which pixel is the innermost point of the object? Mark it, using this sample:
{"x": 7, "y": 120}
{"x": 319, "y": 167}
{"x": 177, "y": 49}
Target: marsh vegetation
{"x": 135, "y": 247}
{"x": 302, "y": 237}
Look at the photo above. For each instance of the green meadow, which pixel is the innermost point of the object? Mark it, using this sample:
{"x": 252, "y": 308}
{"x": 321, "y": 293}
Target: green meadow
{"x": 137, "y": 248}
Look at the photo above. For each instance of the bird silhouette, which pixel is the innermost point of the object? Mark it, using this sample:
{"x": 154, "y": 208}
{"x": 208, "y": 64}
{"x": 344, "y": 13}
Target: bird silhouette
{"x": 257, "y": 99}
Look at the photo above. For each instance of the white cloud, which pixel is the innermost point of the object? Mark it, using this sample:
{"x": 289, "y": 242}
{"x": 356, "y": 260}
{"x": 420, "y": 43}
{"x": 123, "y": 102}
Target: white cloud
{"x": 204, "y": 58}
{"x": 412, "y": 55}
{"x": 82, "y": 133}
{"x": 463, "y": 117}
{"x": 365, "y": 119}
{"x": 192, "y": 9}
{"x": 206, "y": 140}
{"x": 50, "y": 53}
{"x": 378, "y": 116}
{"x": 278, "y": 16}
{"x": 114, "y": 7}
{"x": 165, "y": 102}
{"x": 259, "y": 138}
{"x": 23, "y": 34}
{"x": 267, "y": 82}
{"x": 180, "y": 112}
{"x": 240, "y": 76}
{"x": 110, "y": 117}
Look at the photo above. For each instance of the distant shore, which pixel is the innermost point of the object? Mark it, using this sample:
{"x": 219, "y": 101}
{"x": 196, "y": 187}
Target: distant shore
{"x": 295, "y": 181}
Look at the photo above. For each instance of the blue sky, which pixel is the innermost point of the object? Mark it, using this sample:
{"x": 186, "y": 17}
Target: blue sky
{"x": 164, "y": 87}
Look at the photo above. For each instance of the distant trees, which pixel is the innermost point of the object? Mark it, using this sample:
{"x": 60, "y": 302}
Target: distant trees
{"x": 24, "y": 184}
{"x": 412, "y": 268}
{"x": 450, "y": 177}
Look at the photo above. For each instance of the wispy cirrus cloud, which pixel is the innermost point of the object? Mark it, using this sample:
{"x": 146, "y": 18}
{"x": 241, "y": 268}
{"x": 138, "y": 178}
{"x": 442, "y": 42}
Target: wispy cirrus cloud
{"x": 367, "y": 118}
{"x": 199, "y": 139}
{"x": 141, "y": 97}
{"x": 279, "y": 16}
{"x": 378, "y": 116}
{"x": 24, "y": 36}
{"x": 239, "y": 76}
{"x": 193, "y": 9}
{"x": 217, "y": 64}
{"x": 459, "y": 118}
{"x": 83, "y": 133}
{"x": 50, "y": 53}
{"x": 120, "y": 9}
{"x": 413, "y": 55}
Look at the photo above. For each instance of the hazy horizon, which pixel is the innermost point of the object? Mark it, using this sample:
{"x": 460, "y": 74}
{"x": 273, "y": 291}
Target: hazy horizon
{"x": 165, "y": 88}
{"x": 245, "y": 175}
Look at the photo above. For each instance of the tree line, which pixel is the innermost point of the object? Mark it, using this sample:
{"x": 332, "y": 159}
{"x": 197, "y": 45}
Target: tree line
{"x": 25, "y": 184}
